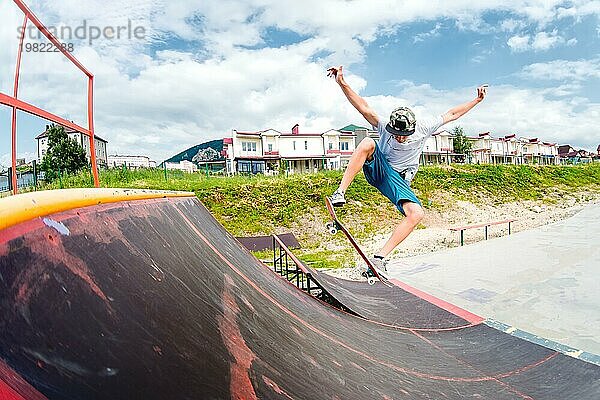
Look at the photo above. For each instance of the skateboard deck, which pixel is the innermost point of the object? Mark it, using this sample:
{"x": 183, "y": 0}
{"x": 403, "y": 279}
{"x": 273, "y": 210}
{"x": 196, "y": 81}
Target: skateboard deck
{"x": 334, "y": 226}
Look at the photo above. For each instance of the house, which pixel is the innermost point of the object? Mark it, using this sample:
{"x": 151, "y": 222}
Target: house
{"x": 360, "y": 132}
{"x": 270, "y": 151}
{"x": 549, "y": 153}
{"x": 130, "y": 161}
{"x": 439, "y": 148}
{"x": 569, "y": 155}
{"x": 482, "y": 148}
{"x": 538, "y": 152}
{"x": 81, "y": 138}
{"x": 511, "y": 149}
{"x": 565, "y": 149}
{"x": 184, "y": 165}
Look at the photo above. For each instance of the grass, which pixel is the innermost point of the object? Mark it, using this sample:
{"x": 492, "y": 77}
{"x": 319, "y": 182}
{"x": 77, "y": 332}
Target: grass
{"x": 260, "y": 205}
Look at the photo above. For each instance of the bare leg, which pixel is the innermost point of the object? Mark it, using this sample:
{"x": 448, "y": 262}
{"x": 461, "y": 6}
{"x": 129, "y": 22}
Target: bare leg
{"x": 414, "y": 214}
{"x": 363, "y": 152}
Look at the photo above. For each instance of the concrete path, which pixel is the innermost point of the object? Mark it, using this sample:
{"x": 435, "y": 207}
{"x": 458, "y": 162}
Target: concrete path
{"x": 545, "y": 281}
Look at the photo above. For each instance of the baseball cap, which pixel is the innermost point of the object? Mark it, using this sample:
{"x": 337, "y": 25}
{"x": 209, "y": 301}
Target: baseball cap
{"x": 402, "y": 122}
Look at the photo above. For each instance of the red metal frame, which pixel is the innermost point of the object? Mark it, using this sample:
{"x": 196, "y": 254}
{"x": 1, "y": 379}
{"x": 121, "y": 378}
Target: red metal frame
{"x": 16, "y": 104}
{"x": 13, "y": 127}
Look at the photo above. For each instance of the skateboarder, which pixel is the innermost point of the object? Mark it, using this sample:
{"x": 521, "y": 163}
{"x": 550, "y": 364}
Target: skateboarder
{"x": 391, "y": 164}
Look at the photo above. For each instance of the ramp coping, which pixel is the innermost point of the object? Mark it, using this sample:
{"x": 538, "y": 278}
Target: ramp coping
{"x": 27, "y": 206}
{"x": 549, "y": 344}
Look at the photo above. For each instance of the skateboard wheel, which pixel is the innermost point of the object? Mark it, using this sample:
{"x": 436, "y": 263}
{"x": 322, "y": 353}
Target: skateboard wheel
{"x": 371, "y": 280}
{"x": 331, "y": 228}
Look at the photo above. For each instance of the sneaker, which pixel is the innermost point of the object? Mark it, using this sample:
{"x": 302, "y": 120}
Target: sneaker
{"x": 337, "y": 198}
{"x": 379, "y": 264}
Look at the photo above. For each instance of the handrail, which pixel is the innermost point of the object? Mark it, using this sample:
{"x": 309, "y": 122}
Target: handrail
{"x": 298, "y": 274}
{"x": 290, "y": 254}
{"x": 462, "y": 229}
{"x": 482, "y": 225}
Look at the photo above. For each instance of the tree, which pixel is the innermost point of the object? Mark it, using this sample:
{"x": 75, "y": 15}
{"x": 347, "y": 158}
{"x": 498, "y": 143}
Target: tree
{"x": 462, "y": 145}
{"x": 64, "y": 155}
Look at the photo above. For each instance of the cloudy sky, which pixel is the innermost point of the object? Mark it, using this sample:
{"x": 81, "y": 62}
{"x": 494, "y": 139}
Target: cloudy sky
{"x": 199, "y": 69}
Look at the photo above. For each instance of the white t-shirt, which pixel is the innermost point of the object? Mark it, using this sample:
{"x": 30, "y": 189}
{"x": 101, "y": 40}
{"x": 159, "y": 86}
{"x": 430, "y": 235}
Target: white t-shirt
{"x": 404, "y": 157}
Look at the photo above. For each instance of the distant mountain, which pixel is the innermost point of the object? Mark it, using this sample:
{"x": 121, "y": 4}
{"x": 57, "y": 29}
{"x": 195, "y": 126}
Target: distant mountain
{"x": 208, "y": 151}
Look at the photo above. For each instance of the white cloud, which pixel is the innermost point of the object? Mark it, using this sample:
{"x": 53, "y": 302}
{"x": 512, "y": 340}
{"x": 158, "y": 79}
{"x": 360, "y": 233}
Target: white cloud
{"x": 541, "y": 41}
{"x": 518, "y": 43}
{"x": 563, "y": 70}
{"x": 511, "y": 25}
{"x": 6, "y": 160}
{"x": 544, "y": 40}
{"x": 435, "y": 32}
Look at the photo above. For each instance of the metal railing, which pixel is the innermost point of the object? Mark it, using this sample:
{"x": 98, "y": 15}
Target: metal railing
{"x": 287, "y": 265}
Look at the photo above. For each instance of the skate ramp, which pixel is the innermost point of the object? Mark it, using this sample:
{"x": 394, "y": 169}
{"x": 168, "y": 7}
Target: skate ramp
{"x": 400, "y": 305}
{"x": 152, "y": 298}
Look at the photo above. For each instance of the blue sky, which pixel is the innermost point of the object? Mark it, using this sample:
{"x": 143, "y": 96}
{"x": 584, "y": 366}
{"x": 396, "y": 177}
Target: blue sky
{"x": 205, "y": 68}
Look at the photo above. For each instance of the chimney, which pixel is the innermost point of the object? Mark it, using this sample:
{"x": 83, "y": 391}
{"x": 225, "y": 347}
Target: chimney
{"x": 295, "y": 129}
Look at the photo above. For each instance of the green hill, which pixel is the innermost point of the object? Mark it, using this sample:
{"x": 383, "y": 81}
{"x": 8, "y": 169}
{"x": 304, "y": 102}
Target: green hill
{"x": 189, "y": 154}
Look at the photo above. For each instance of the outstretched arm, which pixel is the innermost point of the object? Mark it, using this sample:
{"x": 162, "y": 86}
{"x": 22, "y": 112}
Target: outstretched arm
{"x": 358, "y": 102}
{"x": 456, "y": 112}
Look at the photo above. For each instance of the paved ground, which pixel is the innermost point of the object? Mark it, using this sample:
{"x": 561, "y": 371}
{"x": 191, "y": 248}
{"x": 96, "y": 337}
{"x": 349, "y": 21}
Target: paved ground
{"x": 544, "y": 281}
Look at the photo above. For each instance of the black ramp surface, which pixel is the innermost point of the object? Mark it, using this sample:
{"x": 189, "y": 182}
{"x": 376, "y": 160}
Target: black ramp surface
{"x": 155, "y": 300}
{"x": 388, "y": 305}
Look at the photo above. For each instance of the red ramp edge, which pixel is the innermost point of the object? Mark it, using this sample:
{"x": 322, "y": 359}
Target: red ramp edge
{"x": 466, "y": 315}
{"x": 14, "y": 387}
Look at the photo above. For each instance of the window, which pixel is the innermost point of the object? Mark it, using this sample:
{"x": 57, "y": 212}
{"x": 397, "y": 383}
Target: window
{"x": 270, "y": 147}
{"x": 344, "y": 146}
{"x": 248, "y": 146}
{"x": 330, "y": 145}
{"x": 306, "y": 145}
{"x": 294, "y": 144}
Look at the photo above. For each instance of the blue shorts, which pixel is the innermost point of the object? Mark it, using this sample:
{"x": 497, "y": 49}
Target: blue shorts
{"x": 388, "y": 181}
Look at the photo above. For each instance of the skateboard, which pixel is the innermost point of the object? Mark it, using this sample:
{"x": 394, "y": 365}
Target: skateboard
{"x": 334, "y": 226}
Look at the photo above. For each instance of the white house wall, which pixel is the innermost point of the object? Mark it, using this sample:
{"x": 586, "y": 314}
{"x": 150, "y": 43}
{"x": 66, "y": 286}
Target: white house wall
{"x": 84, "y": 141}
{"x": 314, "y": 146}
{"x": 238, "y": 146}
